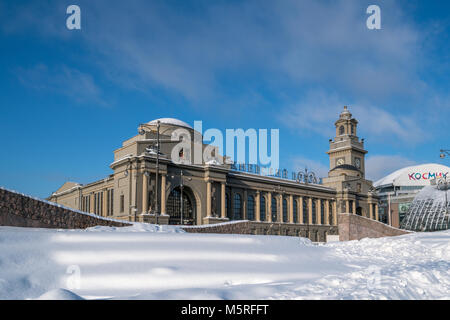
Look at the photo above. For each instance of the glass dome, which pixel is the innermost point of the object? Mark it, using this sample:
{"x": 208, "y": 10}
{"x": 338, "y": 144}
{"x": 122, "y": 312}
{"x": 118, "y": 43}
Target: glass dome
{"x": 430, "y": 210}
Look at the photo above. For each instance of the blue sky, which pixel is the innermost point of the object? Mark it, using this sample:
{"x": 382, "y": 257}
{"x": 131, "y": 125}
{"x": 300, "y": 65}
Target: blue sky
{"x": 69, "y": 98}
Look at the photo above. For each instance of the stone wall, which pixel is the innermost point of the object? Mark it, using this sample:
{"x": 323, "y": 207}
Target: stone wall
{"x": 19, "y": 210}
{"x": 354, "y": 227}
{"x": 316, "y": 233}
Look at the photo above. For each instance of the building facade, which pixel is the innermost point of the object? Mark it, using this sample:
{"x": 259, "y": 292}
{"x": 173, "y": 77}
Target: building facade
{"x": 211, "y": 192}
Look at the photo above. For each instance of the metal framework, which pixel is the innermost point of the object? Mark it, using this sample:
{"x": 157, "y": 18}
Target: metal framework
{"x": 430, "y": 213}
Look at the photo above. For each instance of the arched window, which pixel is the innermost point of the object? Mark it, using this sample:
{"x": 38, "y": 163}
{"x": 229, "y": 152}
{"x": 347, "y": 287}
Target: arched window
{"x": 237, "y": 207}
{"x": 274, "y": 209}
{"x": 262, "y": 208}
{"x": 314, "y": 211}
{"x": 341, "y": 130}
{"x": 353, "y": 129}
{"x": 285, "y": 215}
{"x": 305, "y": 211}
{"x": 250, "y": 208}
{"x": 295, "y": 212}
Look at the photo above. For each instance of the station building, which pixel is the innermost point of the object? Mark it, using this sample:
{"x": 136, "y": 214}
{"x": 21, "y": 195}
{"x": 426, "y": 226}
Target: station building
{"x": 211, "y": 192}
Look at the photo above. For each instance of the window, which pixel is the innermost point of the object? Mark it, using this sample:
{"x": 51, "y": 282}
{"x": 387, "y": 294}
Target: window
{"x": 314, "y": 211}
{"x": 262, "y": 204}
{"x": 250, "y": 208}
{"x": 86, "y": 203}
{"x": 101, "y": 204}
{"x": 295, "y": 212}
{"x": 330, "y": 213}
{"x": 122, "y": 203}
{"x": 274, "y": 210}
{"x": 98, "y": 203}
{"x": 305, "y": 211}
{"x": 322, "y": 211}
{"x": 341, "y": 130}
{"x": 237, "y": 207}
{"x": 109, "y": 202}
{"x": 353, "y": 129}
{"x": 285, "y": 215}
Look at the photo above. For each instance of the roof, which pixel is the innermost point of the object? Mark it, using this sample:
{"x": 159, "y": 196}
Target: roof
{"x": 419, "y": 175}
{"x": 346, "y": 167}
{"x": 171, "y": 121}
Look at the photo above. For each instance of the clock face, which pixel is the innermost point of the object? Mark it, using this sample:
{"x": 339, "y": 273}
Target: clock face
{"x": 340, "y": 161}
{"x": 358, "y": 163}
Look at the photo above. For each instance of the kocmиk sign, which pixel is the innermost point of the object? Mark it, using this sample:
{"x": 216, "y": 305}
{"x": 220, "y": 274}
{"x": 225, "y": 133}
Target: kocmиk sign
{"x": 415, "y": 176}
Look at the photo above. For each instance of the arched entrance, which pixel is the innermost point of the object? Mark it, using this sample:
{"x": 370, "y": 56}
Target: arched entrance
{"x": 174, "y": 206}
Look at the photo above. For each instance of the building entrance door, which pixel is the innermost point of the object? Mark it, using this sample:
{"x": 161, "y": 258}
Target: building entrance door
{"x": 174, "y": 206}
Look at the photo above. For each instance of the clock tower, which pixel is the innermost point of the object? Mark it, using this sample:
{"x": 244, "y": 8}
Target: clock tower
{"x": 354, "y": 194}
{"x": 346, "y": 150}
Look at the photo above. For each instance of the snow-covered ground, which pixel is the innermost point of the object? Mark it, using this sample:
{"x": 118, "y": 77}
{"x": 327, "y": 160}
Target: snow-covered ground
{"x": 151, "y": 262}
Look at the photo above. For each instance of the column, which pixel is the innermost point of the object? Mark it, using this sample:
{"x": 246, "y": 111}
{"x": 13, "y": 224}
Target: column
{"x": 269, "y": 206}
{"x": 258, "y": 206}
{"x": 105, "y": 202}
{"x": 347, "y": 206}
{"x": 354, "y": 206}
{"x": 318, "y": 211}
{"x": 310, "y": 211}
{"x": 335, "y": 213}
{"x": 291, "y": 209}
{"x": 376, "y": 213}
{"x": 163, "y": 194}
{"x": 300, "y": 206}
{"x": 327, "y": 212}
{"x": 144, "y": 193}
{"x": 370, "y": 210}
{"x": 208, "y": 198}
{"x": 222, "y": 201}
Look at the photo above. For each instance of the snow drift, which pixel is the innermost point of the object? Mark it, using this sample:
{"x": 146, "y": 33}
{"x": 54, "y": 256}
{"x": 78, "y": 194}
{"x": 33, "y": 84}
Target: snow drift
{"x": 163, "y": 262}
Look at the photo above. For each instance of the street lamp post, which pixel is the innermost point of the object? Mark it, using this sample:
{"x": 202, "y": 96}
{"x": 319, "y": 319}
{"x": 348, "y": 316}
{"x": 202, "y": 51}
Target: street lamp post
{"x": 157, "y": 172}
{"x": 142, "y": 132}
{"x": 142, "y": 129}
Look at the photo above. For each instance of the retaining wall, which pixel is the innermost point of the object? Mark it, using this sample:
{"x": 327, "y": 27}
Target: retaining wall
{"x": 354, "y": 227}
{"x": 19, "y": 210}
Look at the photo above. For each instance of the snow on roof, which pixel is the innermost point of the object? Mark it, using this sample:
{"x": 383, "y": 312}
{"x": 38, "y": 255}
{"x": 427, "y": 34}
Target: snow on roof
{"x": 419, "y": 175}
{"x": 171, "y": 121}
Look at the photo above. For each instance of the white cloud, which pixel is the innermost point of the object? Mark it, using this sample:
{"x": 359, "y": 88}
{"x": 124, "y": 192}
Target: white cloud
{"x": 318, "y": 110}
{"x": 190, "y": 51}
{"x": 76, "y": 85}
{"x": 379, "y": 166}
